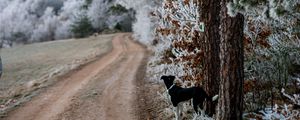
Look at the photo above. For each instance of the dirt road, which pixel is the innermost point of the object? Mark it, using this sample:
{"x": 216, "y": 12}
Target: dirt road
{"x": 102, "y": 90}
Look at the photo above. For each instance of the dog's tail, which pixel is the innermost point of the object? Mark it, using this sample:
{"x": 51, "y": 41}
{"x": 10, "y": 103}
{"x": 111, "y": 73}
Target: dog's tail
{"x": 213, "y": 98}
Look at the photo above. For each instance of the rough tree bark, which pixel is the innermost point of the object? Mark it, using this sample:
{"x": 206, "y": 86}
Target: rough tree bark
{"x": 209, "y": 12}
{"x": 230, "y": 105}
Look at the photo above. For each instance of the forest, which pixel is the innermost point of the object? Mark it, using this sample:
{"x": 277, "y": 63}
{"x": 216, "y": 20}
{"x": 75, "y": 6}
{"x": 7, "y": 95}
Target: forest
{"x": 245, "y": 51}
{"x": 29, "y": 21}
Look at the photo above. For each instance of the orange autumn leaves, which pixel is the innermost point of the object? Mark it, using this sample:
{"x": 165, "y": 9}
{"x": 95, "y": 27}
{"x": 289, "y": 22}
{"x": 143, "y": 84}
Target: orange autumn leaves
{"x": 184, "y": 38}
{"x": 261, "y": 39}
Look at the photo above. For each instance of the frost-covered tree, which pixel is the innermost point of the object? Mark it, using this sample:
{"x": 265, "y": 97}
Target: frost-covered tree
{"x": 144, "y": 25}
{"x": 46, "y": 30}
{"x": 98, "y": 12}
{"x": 178, "y": 33}
{"x": 271, "y": 46}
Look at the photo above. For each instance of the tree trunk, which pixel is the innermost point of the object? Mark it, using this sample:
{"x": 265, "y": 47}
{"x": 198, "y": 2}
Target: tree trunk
{"x": 209, "y": 11}
{"x": 230, "y": 105}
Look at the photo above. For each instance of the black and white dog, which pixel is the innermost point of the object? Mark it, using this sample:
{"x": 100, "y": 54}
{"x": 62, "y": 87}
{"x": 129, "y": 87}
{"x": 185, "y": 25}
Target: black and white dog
{"x": 179, "y": 94}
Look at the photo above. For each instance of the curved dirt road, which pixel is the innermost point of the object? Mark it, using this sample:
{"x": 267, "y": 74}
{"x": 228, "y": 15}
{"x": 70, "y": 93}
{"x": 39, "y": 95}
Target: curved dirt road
{"x": 111, "y": 79}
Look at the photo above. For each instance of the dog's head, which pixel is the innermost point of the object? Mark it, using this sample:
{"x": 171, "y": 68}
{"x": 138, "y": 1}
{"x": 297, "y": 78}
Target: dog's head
{"x": 168, "y": 80}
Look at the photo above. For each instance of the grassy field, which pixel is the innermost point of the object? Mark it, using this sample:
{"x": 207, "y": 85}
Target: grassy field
{"x": 30, "y": 67}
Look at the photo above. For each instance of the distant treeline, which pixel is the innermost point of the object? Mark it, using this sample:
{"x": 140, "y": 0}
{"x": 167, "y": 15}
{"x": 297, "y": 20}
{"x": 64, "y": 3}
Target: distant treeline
{"x": 28, "y": 21}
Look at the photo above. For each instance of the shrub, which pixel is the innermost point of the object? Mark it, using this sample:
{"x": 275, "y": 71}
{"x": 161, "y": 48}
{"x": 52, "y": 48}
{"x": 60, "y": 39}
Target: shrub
{"x": 82, "y": 27}
{"x": 118, "y": 9}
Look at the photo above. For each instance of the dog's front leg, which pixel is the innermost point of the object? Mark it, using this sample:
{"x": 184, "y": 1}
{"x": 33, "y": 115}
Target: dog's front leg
{"x": 202, "y": 112}
{"x": 177, "y": 115}
{"x": 178, "y": 112}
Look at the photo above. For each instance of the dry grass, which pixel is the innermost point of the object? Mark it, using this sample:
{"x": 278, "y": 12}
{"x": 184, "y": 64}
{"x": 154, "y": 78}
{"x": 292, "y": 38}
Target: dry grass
{"x": 30, "y": 67}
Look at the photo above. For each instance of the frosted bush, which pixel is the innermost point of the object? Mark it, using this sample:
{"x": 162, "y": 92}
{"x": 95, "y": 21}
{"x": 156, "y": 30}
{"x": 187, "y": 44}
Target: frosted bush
{"x": 177, "y": 28}
{"x": 143, "y": 27}
{"x": 295, "y": 98}
{"x": 277, "y": 113}
{"x": 272, "y": 43}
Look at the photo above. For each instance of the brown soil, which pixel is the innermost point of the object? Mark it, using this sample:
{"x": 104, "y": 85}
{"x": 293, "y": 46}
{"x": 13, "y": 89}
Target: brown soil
{"x": 151, "y": 106}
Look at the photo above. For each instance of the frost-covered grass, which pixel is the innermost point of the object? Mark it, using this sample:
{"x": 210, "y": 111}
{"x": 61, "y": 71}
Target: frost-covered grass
{"x": 30, "y": 67}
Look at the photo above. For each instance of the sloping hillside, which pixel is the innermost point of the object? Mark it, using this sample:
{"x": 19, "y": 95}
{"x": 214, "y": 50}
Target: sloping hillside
{"x": 31, "y": 67}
